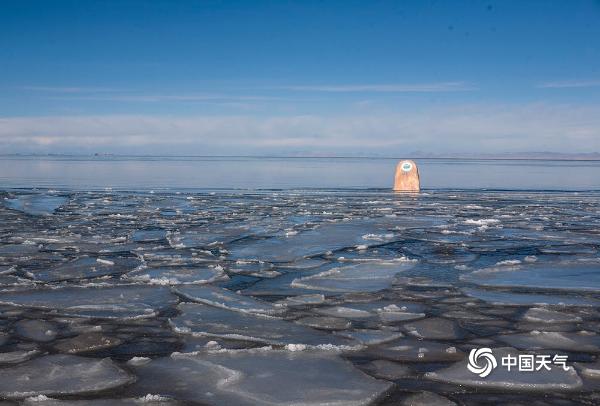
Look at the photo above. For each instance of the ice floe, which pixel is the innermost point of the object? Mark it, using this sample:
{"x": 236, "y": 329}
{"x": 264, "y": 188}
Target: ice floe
{"x": 324, "y": 323}
{"x": 434, "y": 329}
{"x": 178, "y": 275}
{"x": 304, "y": 300}
{"x": 505, "y": 298}
{"x": 103, "y": 302}
{"x": 412, "y": 350}
{"x": 204, "y": 320}
{"x": 542, "y": 315}
{"x": 62, "y": 375}
{"x": 324, "y": 238}
{"x": 371, "y": 336}
{"x": 541, "y": 340}
{"x": 364, "y": 277}
{"x": 558, "y": 276}
{"x": 149, "y": 236}
{"x": 86, "y": 268}
{"x": 147, "y": 400}
{"x": 261, "y": 378}
{"x": 36, "y": 204}
{"x": 35, "y": 330}
{"x": 86, "y": 342}
{"x": 227, "y": 299}
{"x": 16, "y": 357}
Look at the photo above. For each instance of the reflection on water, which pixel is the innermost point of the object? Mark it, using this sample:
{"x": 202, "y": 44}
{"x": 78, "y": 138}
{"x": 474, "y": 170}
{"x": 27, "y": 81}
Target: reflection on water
{"x": 142, "y": 173}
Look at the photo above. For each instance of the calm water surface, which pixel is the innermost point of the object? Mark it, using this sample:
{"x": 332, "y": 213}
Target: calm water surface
{"x": 142, "y": 173}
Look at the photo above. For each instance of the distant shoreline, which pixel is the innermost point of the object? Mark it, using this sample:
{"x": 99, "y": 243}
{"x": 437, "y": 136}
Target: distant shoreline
{"x": 559, "y": 157}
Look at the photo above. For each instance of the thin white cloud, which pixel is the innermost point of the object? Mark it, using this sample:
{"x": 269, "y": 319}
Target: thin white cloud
{"x": 128, "y": 96}
{"x": 71, "y": 89}
{"x": 569, "y": 84}
{"x": 155, "y": 98}
{"x": 535, "y": 127}
{"x": 388, "y": 88}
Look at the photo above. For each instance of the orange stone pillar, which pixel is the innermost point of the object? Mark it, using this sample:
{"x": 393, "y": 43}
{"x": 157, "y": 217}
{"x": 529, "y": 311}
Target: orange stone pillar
{"x": 407, "y": 177}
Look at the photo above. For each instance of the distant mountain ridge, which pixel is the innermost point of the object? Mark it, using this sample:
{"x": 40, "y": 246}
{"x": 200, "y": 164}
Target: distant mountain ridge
{"x": 589, "y": 156}
{"x": 592, "y": 156}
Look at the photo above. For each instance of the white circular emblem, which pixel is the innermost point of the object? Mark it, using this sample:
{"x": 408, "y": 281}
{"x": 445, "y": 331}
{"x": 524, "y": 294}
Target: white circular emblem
{"x": 407, "y": 166}
{"x": 485, "y": 356}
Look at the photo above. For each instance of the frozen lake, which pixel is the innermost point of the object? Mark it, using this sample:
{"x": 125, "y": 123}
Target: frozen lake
{"x": 339, "y": 297}
{"x": 181, "y": 173}
{"x": 168, "y": 289}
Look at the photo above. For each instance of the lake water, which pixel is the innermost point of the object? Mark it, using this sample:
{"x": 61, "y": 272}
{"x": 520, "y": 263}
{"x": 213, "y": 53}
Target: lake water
{"x": 175, "y": 281}
{"x": 181, "y": 173}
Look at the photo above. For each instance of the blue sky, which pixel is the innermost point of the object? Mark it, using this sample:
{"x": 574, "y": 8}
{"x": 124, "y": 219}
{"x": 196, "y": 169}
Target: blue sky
{"x": 347, "y": 77}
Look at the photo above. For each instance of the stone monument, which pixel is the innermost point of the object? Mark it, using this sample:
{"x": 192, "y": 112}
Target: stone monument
{"x": 407, "y": 177}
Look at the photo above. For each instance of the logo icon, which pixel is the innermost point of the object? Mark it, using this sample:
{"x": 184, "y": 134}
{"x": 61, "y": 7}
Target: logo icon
{"x": 483, "y": 355}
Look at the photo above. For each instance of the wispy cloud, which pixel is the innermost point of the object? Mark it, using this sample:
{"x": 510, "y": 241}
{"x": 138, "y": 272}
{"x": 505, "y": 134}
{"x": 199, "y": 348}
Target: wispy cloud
{"x": 535, "y": 127}
{"x": 388, "y": 88}
{"x": 128, "y": 96}
{"x": 155, "y": 98}
{"x": 108, "y": 94}
{"x": 71, "y": 89}
{"x": 569, "y": 84}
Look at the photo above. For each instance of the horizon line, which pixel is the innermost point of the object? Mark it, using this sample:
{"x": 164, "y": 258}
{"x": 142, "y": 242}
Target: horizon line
{"x": 484, "y": 157}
